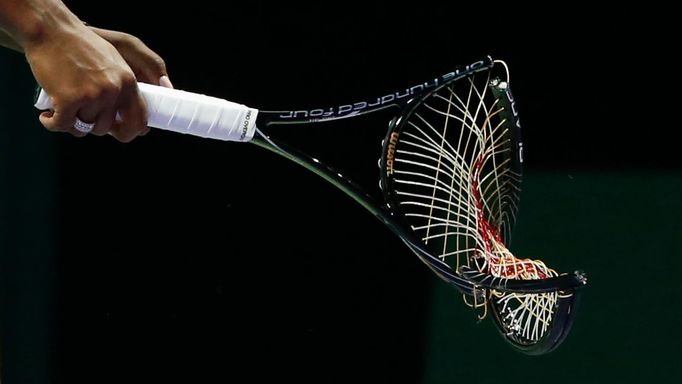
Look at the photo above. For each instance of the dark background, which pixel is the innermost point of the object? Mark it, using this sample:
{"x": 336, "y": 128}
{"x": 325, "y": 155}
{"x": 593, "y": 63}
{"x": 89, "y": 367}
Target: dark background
{"x": 180, "y": 259}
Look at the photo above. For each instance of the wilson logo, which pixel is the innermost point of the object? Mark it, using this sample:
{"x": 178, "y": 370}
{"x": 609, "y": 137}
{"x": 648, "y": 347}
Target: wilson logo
{"x": 390, "y": 152}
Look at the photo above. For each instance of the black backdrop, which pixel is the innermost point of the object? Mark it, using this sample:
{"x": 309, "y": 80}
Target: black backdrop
{"x": 181, "y": 259}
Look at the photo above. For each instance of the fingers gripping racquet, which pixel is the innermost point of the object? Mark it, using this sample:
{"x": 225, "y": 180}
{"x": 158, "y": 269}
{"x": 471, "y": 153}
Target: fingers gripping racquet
{"x": 450, "y": 178}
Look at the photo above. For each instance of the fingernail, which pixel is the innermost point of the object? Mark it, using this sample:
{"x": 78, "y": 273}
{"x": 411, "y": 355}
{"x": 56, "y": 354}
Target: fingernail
{"x": 164, "y": 81}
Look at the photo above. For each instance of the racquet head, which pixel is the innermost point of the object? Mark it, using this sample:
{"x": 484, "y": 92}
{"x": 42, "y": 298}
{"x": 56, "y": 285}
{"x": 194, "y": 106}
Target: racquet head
{"x": 451, "y": 170}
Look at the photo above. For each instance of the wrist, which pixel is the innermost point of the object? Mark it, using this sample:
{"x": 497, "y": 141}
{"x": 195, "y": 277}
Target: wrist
{"x": 31, "y": 23}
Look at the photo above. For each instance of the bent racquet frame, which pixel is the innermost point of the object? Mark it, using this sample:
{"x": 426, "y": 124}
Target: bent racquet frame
{"x": 533, "y": 306}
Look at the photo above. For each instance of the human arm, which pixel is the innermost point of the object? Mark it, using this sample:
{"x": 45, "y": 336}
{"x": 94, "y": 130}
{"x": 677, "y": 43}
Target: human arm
{"x": 86, "y": 75}
{"x": 146, "y": 64}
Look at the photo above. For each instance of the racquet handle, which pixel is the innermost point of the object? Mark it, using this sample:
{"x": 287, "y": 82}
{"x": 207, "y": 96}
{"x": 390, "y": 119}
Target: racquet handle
{"x": 189, "y": 113}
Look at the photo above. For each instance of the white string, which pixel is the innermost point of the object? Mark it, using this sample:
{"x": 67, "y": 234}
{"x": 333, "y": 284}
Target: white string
{"x": 436, "y": 171}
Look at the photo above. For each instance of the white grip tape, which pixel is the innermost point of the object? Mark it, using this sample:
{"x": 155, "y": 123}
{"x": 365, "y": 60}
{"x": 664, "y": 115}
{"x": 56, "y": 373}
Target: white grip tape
{"x": 190, "y": 113}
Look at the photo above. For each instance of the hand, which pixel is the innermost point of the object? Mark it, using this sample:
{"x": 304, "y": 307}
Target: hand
{"x": 147, "y": 66}
{"x": 88, "y": 79}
